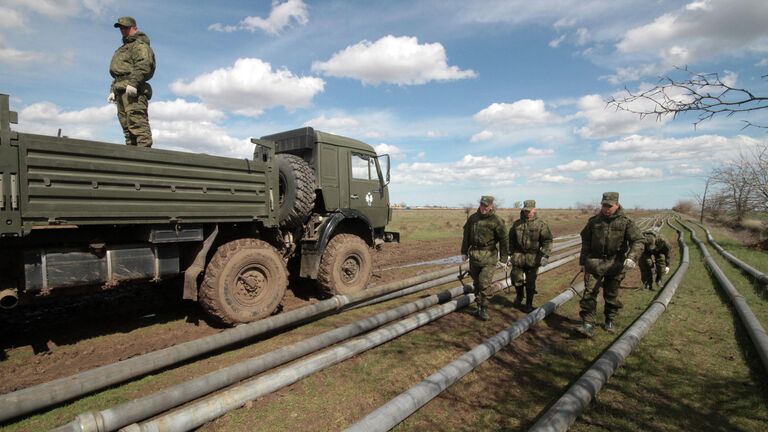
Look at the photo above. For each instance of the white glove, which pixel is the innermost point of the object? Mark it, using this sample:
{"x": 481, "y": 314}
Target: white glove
{"x": 500, "y": 264}
{"x": 464, "y": 258}
{"x": 509, "y": 261}
{"x": 544, "y": 261}
{"x": 131, "y": 90}
{"x": 666, "y": 270}
{"x": 629, "y": 264}
{"x": 111, "y": 98}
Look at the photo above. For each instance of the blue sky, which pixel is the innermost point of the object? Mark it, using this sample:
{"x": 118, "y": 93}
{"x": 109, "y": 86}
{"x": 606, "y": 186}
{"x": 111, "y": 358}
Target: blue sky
{"x": 502, "y": 97}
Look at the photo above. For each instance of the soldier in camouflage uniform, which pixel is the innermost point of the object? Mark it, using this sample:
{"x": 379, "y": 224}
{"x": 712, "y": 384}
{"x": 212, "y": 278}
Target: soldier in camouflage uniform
{"x": 530, "y": 242}
{"x": 656, "y": 254}
{"x": 133, "y": 64}
{"x": 483, "y": 231}
{"x": 611, "y": 244}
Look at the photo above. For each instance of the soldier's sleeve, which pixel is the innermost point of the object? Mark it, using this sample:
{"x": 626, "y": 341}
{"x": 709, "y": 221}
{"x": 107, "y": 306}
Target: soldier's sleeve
{"x": 143, "y": 64}
{"x": 586, "y": 242}
{"x": 465, "y": 239}
{"x": 635, "y": 238}
{"x": 665, "y": 251}
{"x": 545, "y": 240}
{"x": 502, "y": 235}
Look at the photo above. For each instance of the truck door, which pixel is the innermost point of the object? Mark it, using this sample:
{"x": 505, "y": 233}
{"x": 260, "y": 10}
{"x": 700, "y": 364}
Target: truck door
{"x": 366, "y": 192}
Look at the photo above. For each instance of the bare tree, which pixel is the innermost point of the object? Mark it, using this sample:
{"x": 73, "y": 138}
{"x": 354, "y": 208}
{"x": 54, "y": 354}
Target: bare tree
{"x": 705, "y": 94}
{"x": 736, "y": 186}
{"x": 518, "y": 204}
{"x": 757, "y": 164}
{"x": 684, "y": 206}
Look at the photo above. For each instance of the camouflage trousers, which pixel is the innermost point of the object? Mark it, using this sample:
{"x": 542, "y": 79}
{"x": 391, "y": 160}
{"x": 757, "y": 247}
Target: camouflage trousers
{"x": 646, "y": 265}
{"x": 132, "y": 114}
{"x": 524, "y": 277}
{"x": 606, "y": 275}
{"x": 482, "y": 278}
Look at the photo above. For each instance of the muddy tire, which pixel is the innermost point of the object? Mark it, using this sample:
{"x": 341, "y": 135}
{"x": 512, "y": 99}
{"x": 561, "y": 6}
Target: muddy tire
{"x": 245, "y": 281}
{"x": 345, "y": 266}
{"x": 297, "y": 190}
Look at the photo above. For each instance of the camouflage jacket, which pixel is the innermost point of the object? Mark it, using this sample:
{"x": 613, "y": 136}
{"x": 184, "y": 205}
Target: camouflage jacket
{"x": 482, "y": 233}
{"x": 609, "y": 237}
{"x": 529, "y": 240}
{"x": 133, "y": 64}
{"x": 656, "y": 246}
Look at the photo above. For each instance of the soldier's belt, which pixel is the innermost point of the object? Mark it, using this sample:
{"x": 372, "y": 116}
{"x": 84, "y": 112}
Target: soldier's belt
{"x": 488, "y": 248}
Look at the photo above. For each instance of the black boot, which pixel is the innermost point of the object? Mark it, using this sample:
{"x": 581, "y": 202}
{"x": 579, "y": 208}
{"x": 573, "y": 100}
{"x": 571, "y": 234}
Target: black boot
{"x": 518, "y": 296}
{"x": 529, "y": 292}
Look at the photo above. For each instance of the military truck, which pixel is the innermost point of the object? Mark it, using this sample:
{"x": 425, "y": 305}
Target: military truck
{"x": 77, "y": 213}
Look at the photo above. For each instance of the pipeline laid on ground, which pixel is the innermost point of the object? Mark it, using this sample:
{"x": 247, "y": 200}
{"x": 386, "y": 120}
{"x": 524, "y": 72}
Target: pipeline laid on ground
{"x": 751, "y": 323}
{"x": 755, "y": 273}
{"x": 561, "y": 415}
{"x": 396, "y": 410}
{"x": 139, "y": 409}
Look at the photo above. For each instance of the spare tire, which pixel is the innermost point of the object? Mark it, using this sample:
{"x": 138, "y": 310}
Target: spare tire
{"x": 297, "y": 190}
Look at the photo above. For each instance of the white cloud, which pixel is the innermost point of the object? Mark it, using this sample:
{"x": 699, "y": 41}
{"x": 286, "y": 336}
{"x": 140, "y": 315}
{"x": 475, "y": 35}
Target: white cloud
{"x": 554, "y": 43}
{"x": 549, "y": 178}
{"x": 525, "y": 112}
{"x": 61, "y": 8}
{"x": 10, "y": 18}
{"x": 603, "y": 121}
{"x": 701, "y": 147}
{"x": 481, "y": 136}
{"x": 539, "y": 152}
{"x": 250, "y": 86}
{"x": 488, "y": 170}
{"x": 179, "y": 108}
{"x": 576, "y": 166}
{"x": 699, "y": 30}
{"x": 47, "y": 118}
{"x": 626, "y": 174}
{"x": 333, "y": 124}
{"x": 393, "y": 151}
{"x": 282, "y": 15}
{"x": 421, "y": 156}
{"x": 14, "y": 56}
{"x": 395, "y": 60}
{"x": 435, "y": 134}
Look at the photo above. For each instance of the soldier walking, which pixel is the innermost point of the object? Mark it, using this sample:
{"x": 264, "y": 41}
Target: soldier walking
{"x": 610, "y": 245}
{"x": 530, "y": 243}
{"x": 655, "y": 254}
{"x": 133, "y": 64}
{"x": 485, "y": 237}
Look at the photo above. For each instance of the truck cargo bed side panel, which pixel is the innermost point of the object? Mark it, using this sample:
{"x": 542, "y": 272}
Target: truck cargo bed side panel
{"x": 66, "y": 181}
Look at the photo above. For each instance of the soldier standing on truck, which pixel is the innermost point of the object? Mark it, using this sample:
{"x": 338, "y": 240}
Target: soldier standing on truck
{"x": 483, "y": 231}
{"x": 656, "y": 254}
{"x": 133, "y": 64}
{"x": 611, "y": 243}
{"x": 530, "y": 242}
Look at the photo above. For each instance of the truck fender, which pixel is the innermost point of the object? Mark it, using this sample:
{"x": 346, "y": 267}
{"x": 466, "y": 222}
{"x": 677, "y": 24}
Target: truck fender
{"x": 198, "y": 265}
{"x": 312, "y": 251}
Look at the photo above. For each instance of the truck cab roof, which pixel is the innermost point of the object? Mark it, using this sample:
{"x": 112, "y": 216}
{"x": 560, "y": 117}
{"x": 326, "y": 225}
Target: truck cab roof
{"x": 307, "y": 137}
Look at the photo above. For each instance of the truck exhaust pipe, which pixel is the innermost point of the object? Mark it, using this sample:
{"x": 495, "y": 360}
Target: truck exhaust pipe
{"x": 9, "y": 298}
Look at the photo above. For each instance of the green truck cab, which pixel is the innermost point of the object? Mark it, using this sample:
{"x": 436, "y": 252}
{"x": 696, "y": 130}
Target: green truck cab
{"x": 77, "y": 213}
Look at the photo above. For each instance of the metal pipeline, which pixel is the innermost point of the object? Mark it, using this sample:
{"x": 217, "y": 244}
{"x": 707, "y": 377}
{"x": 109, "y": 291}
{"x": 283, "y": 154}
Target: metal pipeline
{"x": 124, "y": 414}
{"x": 9, "y": 298}
{"x": 560, "y": 416}
{"x": 396, "y": 410}
{"x": 761, "y": 277}
{"x": 43, "y": 395}
{"x": 202, "y": 411}
{"x": 751, "y": 323}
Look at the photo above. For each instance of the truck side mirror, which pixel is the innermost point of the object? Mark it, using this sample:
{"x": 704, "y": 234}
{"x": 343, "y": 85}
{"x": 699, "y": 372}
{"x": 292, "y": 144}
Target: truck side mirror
{"x": 264, "y": 150}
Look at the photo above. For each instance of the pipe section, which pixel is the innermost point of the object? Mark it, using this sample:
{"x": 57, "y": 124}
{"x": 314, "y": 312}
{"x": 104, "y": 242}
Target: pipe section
{"x": 751, "y": 323}
{"x": 761, "y": 277}
{"x": 561, "y": 415}
{"x": 9, "y": 298}
{"x": 200, "y": 412}
{"x": 40, "y": 396}
{"x": 396, "y": 410}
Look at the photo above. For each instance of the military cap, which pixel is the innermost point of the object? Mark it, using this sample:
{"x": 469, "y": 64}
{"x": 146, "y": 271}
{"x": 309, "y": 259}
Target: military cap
{"x": 125, "y": 21}
{"x": 610, "y": 198}
{"x": 486, "y": 200}
{"x": 529, "y": 204}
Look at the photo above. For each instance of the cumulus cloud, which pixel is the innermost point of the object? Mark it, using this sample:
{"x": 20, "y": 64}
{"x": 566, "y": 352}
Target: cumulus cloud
{"x": 575, "y": 166}
{"x": 494, "y": 171}
{"x": 332, "y": 124}
{"x": 60, "y": 8}
{"x": 532, "y": 151}
{"x": 625, "y": 174}
{"x": 250, "y": 86}
{"x": 603, "y": 122}
{"x": 701, "y": 147}
{"x": 393, "y": 151}
{"x": 550, "y": 178}
{"x": 47, "y": 118}
{"x": 699, "y": 30}
{"x": 179, "y": 108}
{"x": 394, "y": 60}
{"x": 10, "y": 18}
{"x": 282, "y": 16}
{"x": 481, "y": 136}
{"x": 14, "y": 56}
{"x": 525, "y": 112}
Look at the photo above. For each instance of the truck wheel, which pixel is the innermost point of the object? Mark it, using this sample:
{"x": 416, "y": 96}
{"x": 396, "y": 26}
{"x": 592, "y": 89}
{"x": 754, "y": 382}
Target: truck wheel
{"x": 345, "y": 266}
{"x": 297, "y": 189}
{"x": 245, "y": 281}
